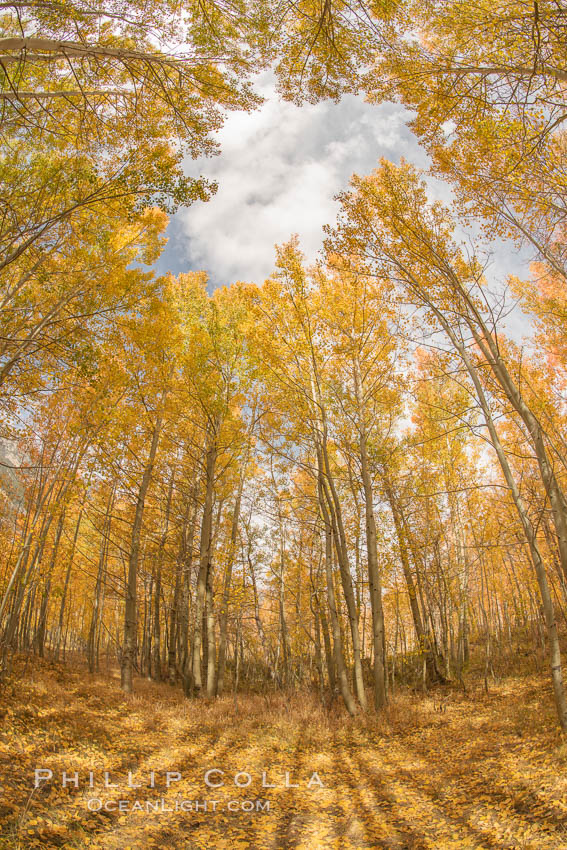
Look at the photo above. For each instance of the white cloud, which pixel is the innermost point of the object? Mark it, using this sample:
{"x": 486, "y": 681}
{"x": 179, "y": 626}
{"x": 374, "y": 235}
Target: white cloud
{"x": 278, "y": 172}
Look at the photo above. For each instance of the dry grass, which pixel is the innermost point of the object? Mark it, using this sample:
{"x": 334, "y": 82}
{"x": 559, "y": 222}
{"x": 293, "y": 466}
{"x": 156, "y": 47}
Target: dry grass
{"x": 448, "y": 770}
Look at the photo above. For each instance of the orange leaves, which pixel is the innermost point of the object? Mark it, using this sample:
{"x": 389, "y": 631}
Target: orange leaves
{"x": 412, "y": 779}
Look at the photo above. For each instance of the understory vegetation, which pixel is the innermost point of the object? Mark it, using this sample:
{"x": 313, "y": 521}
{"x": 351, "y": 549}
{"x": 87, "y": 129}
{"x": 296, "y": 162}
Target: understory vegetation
{"x": 450, "y": 769}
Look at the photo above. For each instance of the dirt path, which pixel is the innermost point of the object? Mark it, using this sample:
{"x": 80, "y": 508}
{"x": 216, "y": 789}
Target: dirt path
{"x": 481, "y": 771}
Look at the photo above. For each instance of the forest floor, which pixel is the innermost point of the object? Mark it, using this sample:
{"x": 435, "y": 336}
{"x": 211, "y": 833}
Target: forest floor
{"x": 449, "y": 770}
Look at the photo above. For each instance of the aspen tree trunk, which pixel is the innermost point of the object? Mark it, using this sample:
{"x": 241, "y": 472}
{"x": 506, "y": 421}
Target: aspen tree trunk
{"x": 331, "y": 669}
{"x": 257, "y": 618}
{"x": 176, "y": 607}
{"x": 281, "y": 610}
{"x": 318, "y": 655}
{"x": 209, "y": 633}
{"x": 211, "y": 639}
{"x": 339, "y": 538}
{"x": 68, "y": 576}
{"x": 223, "y": 620}
{"x": 374, "y": 582}
{"x": 179, "y": 612}
{"x": 155, "y": 654}
{"x": 165, "y": 652}
{"x": 337, "y": 642}
{"x": 375, "y": 587}
{"x": 174, "y": 615}
{"x": 335, "y": 515}
{"x": 146, "y": 650}
{"x": 237, "y": 659}
{"x": 186, "y": 599}
{"x": 100, "y": 623}
{"x": 130, "y": 617}
{"x": 396, "y": 638}
{"x": 204, "y": 558}
{"x": 39, "y": 638}
{"x": 22, "y": 636}
{"x": 93, "y": 630}
{"x": 185, "y": 602}
{"x": 67, "y": 625}
{"x": 439, "y": 645}
{"x": 551, "y": 545}
{"x": 463, "y": 574}
{"x": 298, "y": 671}
{"x": 156, "y": 670}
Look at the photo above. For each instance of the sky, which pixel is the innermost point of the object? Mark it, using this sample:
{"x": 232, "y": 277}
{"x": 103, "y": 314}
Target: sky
{"x": 278, "y": 171}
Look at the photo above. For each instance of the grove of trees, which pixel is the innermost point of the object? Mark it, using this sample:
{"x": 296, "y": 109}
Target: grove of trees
{"x": 348, "y": 477}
